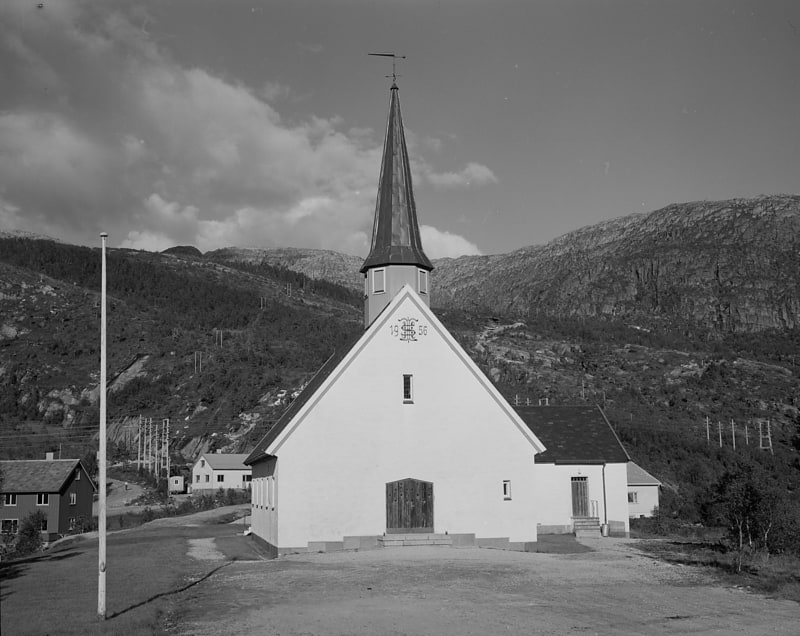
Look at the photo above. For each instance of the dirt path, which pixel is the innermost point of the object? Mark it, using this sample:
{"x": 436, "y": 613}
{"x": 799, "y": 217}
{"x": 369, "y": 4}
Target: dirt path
{"x": 401, "y": 591}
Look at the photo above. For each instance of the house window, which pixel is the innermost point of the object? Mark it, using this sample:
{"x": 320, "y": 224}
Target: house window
{"x": 208, "y": 478}
{"x": 78, "y": 474}
{"x": 378, "y": 281}
{"x": 9, "y": 499}
{"x": 10, "y": 526}
{"x": 43, "y": 527}
{"x": 633, "y": 497}
{"x": 197, "y": 479}
{"x": 408, "y": 396}
{"x": 42, "y": 499}
{"x": 423, "y": 281}
{"x": 507, "y": 489}
{"x": 73, "y": 498}
{"x": 220, "y": 478}
{"x": 71, "y": 523}
{"x": 202, "y": 463}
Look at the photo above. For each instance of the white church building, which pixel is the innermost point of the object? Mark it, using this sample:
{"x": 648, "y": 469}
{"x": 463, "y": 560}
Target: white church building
{"x": 401, "y": 439}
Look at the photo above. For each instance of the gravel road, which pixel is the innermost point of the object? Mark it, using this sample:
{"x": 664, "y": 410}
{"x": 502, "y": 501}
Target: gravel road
{"x": 614, "y": 589}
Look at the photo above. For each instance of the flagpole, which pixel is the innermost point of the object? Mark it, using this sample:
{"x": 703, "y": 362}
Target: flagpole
{"x": 101, "y": 455}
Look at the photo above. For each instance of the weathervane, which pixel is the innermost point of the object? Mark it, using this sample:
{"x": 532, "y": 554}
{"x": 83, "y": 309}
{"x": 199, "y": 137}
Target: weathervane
{"x": 394, "y": 57}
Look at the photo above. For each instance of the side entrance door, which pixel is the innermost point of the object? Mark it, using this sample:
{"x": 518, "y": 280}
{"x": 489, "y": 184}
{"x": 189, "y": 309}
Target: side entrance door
{"x": 580, "y": 497}
{"x": 409, "y": 506}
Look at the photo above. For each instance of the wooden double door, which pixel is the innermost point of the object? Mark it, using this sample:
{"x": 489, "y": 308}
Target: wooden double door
{"x": 409, "y": 506}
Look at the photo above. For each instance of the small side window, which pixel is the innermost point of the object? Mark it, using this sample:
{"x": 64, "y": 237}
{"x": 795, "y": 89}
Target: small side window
{"x": 408, "y": 389}
{"x": 42, "y": 499}
{"x": 73, "y": 498}
{"x": 507, "y": 489}
{"x": 78, "y": 475}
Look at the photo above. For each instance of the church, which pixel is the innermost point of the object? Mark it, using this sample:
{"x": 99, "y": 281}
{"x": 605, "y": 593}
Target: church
{"x": 400, "y": 439}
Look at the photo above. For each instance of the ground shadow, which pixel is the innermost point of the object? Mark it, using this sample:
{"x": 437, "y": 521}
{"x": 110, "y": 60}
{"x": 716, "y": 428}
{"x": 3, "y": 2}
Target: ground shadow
{"x": 155, "y": 597}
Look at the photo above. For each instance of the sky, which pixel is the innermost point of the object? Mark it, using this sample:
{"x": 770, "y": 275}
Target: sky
{"x": 220, "y": 123}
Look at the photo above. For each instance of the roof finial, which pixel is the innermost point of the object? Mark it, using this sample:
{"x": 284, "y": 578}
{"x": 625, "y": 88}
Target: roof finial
{"x": 394, "y": 57}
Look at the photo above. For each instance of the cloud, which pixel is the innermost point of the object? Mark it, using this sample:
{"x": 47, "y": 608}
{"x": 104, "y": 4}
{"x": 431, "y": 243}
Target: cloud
{"x": 101, "y": 129}
{"x": 441, "y": 244}
{"x": 474, "y": 174}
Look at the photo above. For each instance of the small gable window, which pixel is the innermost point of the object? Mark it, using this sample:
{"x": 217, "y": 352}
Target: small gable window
{"x": 423, "y": 281}
{"x": 78, "y": 474}
{"x": 507, "y": 489}
{"x": 202, "y": 463}
{"x": 408, "y": 389}
{"x": 73, "y": 498}
{"x": 42, "y": 499}
{"x": 378, "y": 281}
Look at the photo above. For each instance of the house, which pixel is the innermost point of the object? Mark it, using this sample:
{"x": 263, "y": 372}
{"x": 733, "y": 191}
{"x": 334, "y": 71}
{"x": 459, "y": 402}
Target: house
{"x": 400, "y": 438}
{"x": 212, "y": 471}
{"x": 582, "y": 476}
{"x": 643, "y": 491}
{"x": 177, "y": 484}
{"x": 60, "y": 488}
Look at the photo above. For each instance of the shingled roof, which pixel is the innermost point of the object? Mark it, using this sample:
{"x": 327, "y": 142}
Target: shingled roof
{"x": 37, "y": 475}
{"x": 573, "y": 434}
{"x": 638, "y": 476}
{"x": 226, "y": 461}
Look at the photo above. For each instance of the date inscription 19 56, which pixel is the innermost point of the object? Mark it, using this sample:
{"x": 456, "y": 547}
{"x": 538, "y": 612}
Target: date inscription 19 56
{"x": 408, "y": 329}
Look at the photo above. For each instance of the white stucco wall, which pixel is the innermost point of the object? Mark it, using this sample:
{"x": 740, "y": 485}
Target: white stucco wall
{"x": 205, "y": 478}
{"x": 553, "y": 487}
{"x": 647, "y": 499}
{"x": 358, "y": 435}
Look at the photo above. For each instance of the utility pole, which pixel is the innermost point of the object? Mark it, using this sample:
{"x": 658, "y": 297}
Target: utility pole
{"x": 168, "y": 473}
{"x": 101, "y": 460}
{"x": 719, "y": 425}
{"x": 746, "y": 437}
{"x": 733, "y": 434}
{"x": 708, "y": 433}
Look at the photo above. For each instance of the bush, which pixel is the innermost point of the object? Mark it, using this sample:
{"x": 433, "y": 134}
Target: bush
{"x": 29, "y": 539}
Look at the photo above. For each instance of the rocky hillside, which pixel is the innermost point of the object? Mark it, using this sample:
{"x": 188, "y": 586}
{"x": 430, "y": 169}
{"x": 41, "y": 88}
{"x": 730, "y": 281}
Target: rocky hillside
{"x": 709, "y": 267}
{"x": 722, "y": 267}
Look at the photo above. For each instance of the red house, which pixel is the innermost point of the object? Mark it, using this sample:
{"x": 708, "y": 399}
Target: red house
{"x": 60, "y": 488}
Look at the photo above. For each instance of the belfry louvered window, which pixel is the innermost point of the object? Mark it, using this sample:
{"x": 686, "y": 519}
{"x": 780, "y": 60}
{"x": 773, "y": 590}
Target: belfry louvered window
{"x": 378, "y": 281}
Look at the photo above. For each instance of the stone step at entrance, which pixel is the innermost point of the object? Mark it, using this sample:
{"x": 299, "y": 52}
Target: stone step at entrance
{"x": 399, "y": 540}
{"x": 586, "y": 527}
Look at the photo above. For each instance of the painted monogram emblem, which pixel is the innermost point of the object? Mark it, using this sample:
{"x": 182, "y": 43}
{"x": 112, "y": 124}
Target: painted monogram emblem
{"x": 407, "y": 329}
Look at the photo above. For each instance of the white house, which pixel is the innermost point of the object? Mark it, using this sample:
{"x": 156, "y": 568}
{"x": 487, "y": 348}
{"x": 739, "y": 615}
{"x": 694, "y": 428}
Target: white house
{"x": 643, "y": 491}
{"x": 401, "y": 433}
{"x": 581, "y": 478}
{"x": 212, "y": 471}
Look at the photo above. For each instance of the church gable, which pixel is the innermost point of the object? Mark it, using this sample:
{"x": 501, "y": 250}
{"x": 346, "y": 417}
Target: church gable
{"x": 406, "y": 359}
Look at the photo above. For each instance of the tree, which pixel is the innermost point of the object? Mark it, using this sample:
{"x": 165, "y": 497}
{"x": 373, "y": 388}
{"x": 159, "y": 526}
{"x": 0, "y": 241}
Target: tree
{"x": 29, "y": 539}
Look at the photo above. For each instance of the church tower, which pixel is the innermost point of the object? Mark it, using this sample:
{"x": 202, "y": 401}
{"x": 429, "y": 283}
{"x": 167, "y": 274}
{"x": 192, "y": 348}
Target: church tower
{"x": 396, "y": 257}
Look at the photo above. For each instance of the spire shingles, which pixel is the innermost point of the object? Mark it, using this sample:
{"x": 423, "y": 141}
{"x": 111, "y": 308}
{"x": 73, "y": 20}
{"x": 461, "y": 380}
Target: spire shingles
{"x": 395, "y": 233}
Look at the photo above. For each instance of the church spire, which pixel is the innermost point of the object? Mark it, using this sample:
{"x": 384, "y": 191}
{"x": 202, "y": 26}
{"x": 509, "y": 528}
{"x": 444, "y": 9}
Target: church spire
{"x": 396, "y": 257}
{"x": 395, "y": 233}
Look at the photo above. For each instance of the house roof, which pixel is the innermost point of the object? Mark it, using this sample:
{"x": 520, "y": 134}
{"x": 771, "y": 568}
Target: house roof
{"x": 226, "y": 461}
{"x": 308, "y": 391}
{"x": 38, "y": 475}
{"x": 638, "y": 476}
{"x": 573, "y": 434}
{"x": 395, "y": 234}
